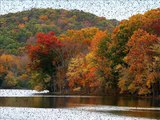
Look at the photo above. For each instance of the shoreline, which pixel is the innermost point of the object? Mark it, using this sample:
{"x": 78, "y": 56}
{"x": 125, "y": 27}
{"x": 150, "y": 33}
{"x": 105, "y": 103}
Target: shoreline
{"x": 60, "y": 107}
{"x": 46, "y": 92}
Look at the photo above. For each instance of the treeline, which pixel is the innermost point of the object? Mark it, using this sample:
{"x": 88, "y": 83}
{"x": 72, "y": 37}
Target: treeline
{"x": 18, "y": 28}
{"x": 91, "y": 60}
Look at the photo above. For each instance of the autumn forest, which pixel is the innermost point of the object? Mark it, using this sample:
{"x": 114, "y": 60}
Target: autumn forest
{"x": 74, "y": 52}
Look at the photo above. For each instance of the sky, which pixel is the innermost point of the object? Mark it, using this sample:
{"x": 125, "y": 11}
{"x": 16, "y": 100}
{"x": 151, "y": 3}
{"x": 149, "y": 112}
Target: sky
{"x": 111, "y": 9}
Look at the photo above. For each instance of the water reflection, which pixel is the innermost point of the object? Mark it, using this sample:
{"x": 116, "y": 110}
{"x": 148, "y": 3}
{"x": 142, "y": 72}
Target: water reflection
{"x": 60, "y": 102}
{"x": 73, "y": 101}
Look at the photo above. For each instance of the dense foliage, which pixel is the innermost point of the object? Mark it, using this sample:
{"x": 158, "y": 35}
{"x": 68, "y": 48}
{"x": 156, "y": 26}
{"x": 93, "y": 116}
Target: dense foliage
{"x": 85, "y": 55}
{"x": 46, "y": 56}
{"x": 13, "y": 71}
{"x": 17, "y": 28}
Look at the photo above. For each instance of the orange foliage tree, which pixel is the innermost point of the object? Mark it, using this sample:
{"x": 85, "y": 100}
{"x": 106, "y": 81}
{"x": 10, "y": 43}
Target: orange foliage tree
{"x": 13, "y": 71}
{"x": 141, "y": 74}
{"x": 81, "y": 73}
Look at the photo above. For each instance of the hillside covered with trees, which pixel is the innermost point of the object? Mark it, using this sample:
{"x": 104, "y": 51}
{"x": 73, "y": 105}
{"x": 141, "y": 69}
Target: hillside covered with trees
{"x": 18, "y": 28}
{"x": 72, "y": 52}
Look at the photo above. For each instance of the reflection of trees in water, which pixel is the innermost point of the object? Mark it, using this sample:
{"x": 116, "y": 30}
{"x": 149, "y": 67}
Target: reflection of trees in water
{"x": 56, "y": 102}
{"x": 137, "y": 102}
{"x": 20, "y": 102}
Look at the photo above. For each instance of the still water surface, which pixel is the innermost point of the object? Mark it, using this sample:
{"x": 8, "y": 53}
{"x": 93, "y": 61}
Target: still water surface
{"x": 82, "y": 101}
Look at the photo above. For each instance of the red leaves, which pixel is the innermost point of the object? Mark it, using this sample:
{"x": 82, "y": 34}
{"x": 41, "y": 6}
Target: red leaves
{"x": 48, "y": 40}
{"x": 51, "y": 33}
{"x": 33, "y": 51}
{"x": 46, "y": 46}
{"x": 153, "y": 26}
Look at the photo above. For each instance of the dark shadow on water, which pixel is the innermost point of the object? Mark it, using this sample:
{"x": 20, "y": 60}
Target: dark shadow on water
{"x": 72, "y": 101}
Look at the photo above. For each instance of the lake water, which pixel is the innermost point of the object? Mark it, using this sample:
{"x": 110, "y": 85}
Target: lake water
{"x": 121, "y": 106}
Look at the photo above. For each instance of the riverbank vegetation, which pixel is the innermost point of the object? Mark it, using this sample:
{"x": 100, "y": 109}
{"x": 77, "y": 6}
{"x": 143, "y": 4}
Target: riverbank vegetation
{"x": 85, "y": 54}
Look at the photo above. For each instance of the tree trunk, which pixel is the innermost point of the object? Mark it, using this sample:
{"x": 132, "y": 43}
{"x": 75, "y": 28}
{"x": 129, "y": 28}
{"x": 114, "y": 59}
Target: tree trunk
{"x": 52, "y": 86}
{"x": 159, "y": 88}
{"x": 153, "y": 90}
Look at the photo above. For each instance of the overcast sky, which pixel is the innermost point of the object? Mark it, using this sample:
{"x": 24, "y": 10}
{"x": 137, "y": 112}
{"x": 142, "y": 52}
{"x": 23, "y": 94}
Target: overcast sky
{"x": 111, "y": 9}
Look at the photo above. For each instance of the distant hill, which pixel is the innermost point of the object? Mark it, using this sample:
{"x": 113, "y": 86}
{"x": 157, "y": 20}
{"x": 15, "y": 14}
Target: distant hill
{"x": 16, "y": 28}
